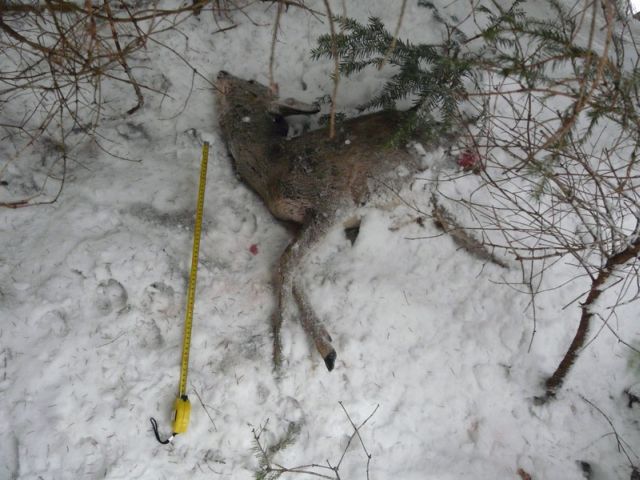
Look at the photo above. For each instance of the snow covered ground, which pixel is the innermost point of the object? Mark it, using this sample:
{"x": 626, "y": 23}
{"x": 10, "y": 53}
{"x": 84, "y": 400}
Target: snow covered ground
{"x": 430, "y": 340}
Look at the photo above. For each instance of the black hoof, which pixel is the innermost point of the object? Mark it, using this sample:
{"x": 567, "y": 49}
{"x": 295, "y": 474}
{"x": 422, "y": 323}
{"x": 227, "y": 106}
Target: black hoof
{"x": 330, "y": 360}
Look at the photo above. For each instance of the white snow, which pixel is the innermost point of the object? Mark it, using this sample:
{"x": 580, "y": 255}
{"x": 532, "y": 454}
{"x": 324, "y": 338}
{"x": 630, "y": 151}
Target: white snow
{"x": 92, "y": 299}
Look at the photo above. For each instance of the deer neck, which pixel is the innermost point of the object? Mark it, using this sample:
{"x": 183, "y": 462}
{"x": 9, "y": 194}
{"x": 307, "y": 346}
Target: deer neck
{"x": 254, "y": 145}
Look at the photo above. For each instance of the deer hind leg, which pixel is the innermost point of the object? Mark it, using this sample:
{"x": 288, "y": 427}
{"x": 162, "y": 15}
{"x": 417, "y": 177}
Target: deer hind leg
{"x": 314, "y": 328}
{"x": 285, "y": 283}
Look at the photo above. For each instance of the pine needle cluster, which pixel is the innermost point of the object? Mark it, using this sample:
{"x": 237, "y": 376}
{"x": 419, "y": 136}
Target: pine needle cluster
{"x": 431, "y": 76}
{"x": 265, "y": 453}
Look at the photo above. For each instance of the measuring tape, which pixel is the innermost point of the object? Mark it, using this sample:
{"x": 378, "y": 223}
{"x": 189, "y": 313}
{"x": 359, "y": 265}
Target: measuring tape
{"x": 182, "y": 406}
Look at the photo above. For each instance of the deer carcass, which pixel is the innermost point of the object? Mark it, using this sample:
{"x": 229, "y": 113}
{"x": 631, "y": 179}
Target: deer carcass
{"x": 311, "y": 180}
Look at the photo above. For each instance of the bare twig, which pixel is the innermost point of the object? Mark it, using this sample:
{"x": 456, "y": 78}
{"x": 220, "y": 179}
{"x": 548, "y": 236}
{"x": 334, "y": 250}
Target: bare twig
{"x": 312, "y": 469}
{"x": 623, "y": 446}
{"x": 204, "y": 407}
{"x": 272, "y": 53}
{"x": 392, "y": 46}
{"x": 336, "y": 72}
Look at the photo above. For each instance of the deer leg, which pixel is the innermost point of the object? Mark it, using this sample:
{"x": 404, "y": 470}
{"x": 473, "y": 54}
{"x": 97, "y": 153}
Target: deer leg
{"x": 276, "y": 316}
{"x": 314, "y": 328}
{"x": 290, "y": 260}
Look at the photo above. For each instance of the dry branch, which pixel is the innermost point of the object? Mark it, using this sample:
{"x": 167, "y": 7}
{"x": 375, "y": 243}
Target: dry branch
{"x": 269, "y": 467}
{"x": 336, "y": 72}
{"x": 60, "y": 55}
{"x": 461, "y": 235}
{"x": 597, "y": 287}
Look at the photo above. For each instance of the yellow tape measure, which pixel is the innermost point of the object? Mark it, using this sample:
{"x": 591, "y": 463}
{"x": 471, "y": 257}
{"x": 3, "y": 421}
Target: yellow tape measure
{"x": 182, "y": 408}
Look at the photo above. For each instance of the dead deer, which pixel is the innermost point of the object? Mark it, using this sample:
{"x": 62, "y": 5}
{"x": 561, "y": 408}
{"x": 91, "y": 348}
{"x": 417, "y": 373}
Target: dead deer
{"x": 310, "y": 180}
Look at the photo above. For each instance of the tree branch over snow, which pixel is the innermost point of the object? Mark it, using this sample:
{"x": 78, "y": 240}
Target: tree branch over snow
{"x": 552, "y": 109}
{"x": 598, "y": 286}
{"x": 58, "y": 59}
{"x": 270, "y": 470}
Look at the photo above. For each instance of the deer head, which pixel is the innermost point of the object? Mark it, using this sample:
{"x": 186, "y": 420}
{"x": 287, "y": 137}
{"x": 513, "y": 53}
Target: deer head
{"x": 252, "y": 121}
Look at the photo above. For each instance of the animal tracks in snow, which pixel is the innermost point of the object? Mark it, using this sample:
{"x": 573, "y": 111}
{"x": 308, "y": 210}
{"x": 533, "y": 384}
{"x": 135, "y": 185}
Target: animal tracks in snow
{"x": 159, "y": 298}
{"x": 111, "y": 297}
{"x": 55, "y": 321}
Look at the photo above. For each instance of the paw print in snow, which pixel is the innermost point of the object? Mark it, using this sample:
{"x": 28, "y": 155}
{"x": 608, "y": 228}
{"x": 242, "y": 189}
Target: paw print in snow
{"x": 159, "y": 298}
{"x": 111, "y": 296}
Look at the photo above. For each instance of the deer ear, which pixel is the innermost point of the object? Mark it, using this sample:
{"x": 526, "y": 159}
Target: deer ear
{"x": 291, "y": 106}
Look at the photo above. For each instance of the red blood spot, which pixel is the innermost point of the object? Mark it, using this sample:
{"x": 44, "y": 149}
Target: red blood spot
{"x": 253, "y": 249}
{"x": 469, "y": 160}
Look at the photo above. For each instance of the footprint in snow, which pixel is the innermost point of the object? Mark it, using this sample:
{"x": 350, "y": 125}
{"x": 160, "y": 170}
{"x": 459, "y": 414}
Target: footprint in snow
{"x": 54, "y": 322}
{"x": 159, "y": 298}
{"x": 133, "y": 131}
{"x": 111, "y": 296}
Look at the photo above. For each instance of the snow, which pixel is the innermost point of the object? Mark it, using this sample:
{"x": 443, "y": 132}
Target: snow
{"x": 92, "y": 298}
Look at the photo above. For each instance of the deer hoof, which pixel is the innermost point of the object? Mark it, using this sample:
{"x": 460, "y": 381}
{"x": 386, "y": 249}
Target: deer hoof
{"x": 330, "y": 360}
